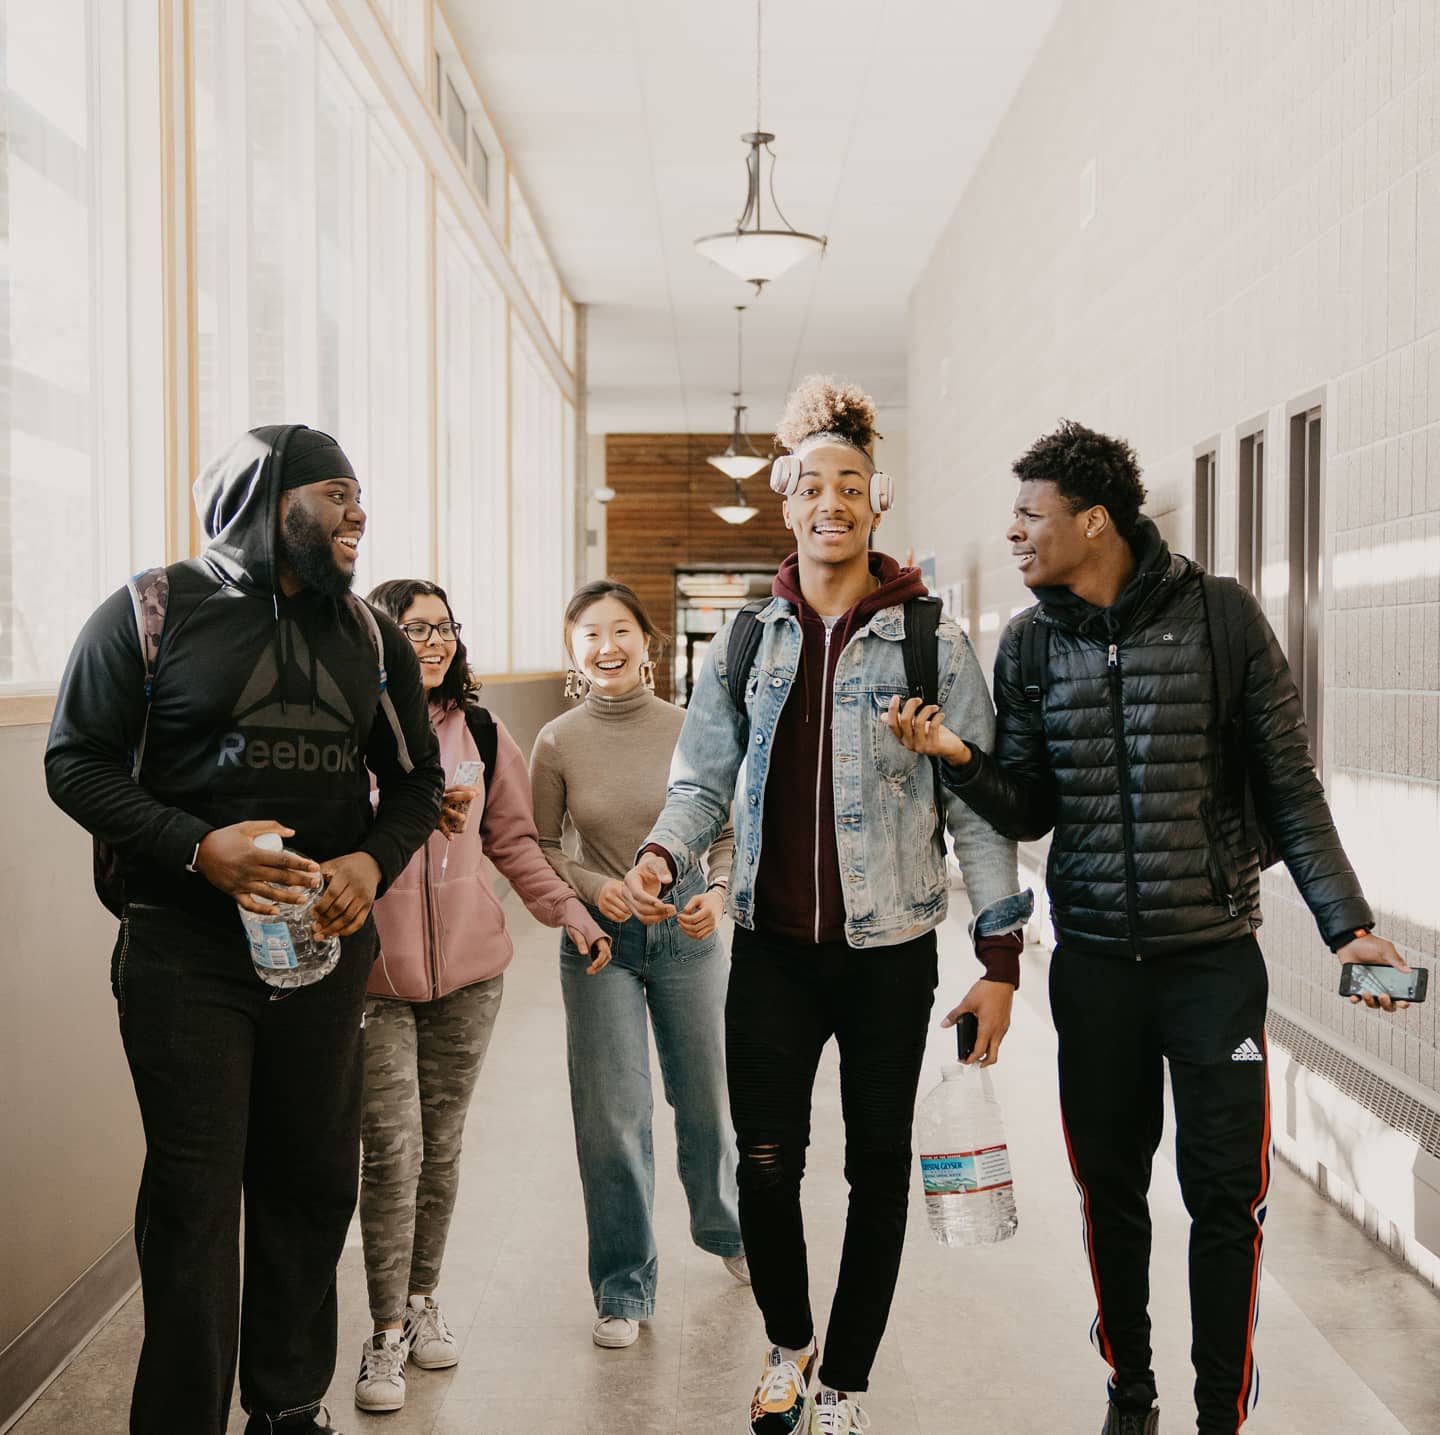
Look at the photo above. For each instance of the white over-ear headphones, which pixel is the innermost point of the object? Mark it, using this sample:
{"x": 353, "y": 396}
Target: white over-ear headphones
{"x": 785, "y": 480}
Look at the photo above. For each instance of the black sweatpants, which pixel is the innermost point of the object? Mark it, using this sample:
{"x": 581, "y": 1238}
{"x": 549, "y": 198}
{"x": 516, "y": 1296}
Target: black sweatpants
{"x": 237, "y": 1093}
{"x": 786, "y": 1000}
{"x": 1119, "y": 1021}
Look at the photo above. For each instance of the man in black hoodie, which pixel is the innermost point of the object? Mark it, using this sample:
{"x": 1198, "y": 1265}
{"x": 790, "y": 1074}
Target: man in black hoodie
{"x": 263, "y": 717}
{"x": 1155, "y": 893}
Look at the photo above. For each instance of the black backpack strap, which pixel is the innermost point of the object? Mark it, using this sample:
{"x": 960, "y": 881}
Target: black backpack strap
{"x": 741, "y": 648}
{"x": 150, "y": 598}
{"x": 1225, "y": 620}
{"x": 1034, "y": 642}
{"x": 366, "y": 615}
{"x": 1224, "y": 602}
{"x": 922, "y": 654}
{"x": 481, "y": 722}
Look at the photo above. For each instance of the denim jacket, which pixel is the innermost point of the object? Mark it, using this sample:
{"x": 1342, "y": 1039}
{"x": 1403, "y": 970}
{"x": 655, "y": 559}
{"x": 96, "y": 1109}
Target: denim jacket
{"x": 891, "y": 849}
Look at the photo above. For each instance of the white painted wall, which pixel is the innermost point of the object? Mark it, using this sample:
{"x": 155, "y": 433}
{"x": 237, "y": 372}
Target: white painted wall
{"x": 1266, "y": 223}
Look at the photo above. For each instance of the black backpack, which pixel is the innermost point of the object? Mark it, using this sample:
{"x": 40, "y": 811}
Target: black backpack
{"x": 922, "y": 658}
{"x": 1225, "y": 620}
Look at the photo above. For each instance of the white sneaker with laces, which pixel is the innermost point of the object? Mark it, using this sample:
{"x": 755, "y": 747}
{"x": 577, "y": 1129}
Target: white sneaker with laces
{"x": 615, "y": 1332}
{"x": 836, "y": 1414}
{"x": 432, "y": 1347}
{"x": 738, "y": 1267}
{"x": 381, "y": 1383}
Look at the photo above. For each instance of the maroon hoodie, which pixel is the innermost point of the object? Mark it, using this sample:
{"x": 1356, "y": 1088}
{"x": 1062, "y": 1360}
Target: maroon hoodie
{"x": 797, "y": 888}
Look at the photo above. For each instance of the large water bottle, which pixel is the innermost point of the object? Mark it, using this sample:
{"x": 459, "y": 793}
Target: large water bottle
{"x": 283, "y": 944}
{"x": 964, "y": 1162}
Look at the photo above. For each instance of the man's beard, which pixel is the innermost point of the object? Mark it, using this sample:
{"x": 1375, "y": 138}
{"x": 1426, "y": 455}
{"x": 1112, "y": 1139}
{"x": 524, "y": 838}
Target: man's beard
{"x": 305, "y": 546}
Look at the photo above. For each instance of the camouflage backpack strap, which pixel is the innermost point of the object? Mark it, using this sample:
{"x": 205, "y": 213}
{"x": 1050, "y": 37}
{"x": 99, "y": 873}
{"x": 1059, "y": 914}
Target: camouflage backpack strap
{"x": 367, "y": 615}
{"x": 150, "y": 598}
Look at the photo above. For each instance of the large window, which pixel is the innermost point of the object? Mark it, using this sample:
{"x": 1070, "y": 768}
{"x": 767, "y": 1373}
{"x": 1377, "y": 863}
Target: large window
{"x": 473, "y": 512}
{"x": 65, "y": 539}
{"x": 534, "y": 264}
{"x": 309, "y": 310}
{"x": 541, "y": 524}
{"x": 463, "y": 117}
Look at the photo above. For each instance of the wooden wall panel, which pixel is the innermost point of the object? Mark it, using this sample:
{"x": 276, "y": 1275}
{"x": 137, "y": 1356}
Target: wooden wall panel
{"x": 660, "y": 520}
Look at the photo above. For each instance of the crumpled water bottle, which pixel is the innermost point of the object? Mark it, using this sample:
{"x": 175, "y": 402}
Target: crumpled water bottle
{"x": 283, "y": 945}
{"x": 964, "y": 1161}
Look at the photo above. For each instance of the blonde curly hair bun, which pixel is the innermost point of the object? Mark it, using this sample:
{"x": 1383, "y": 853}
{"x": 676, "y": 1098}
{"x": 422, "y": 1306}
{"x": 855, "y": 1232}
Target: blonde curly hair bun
{"x": 822, "y": 404}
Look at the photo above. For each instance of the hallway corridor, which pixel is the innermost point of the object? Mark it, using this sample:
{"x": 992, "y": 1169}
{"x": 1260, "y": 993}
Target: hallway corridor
{"x": 985, "y": 1340}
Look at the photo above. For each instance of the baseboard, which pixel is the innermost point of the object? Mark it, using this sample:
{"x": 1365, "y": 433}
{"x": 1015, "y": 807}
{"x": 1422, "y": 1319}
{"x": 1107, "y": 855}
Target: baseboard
{"x": 55, "y": 1337}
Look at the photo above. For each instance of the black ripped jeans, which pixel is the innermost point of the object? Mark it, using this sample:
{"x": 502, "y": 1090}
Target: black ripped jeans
{"x": 786, "y": 1000}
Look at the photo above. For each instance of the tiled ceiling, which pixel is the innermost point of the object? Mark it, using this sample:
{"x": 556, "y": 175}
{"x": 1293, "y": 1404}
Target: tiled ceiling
{"x": 623, "y": 118}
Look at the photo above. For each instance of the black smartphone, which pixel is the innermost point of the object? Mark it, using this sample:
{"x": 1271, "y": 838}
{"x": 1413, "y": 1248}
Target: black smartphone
{"x": 967, "y": 1033}
{"x": 1358, "y": 980}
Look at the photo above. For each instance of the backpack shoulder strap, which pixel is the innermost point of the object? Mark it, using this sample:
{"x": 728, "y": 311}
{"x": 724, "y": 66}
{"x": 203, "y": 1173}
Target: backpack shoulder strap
{"x": 367, "y": 615}
{"x": 150, "y": 598}
{"x": 741, "y": 648}
{"x": 481, "y": 722}
{"x": 921, "y": 649}
{"x": 1224, "y": 618}
{"x": 1034, "y": 646}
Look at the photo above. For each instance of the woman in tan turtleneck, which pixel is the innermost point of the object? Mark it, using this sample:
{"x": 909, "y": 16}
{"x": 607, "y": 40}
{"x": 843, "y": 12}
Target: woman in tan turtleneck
{"x": 599, "y": 776}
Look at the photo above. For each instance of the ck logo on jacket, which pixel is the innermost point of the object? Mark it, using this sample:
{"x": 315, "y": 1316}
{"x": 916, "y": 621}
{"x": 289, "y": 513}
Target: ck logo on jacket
{"x": 270, "y": 709}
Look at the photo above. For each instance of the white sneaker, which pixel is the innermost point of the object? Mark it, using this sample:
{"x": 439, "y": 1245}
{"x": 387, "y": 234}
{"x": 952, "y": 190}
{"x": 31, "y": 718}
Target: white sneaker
{"x": 836, "y": 1414}
{"x": 615, "y": 1332}
{"x": 432, "y": 1347}
{"x": 738, "y": 1267}
{"x": 381, "y": 1384}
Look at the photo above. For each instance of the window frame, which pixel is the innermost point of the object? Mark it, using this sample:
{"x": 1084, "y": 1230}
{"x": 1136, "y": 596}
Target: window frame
{"x": 1250, "y": 449}
{"x": 1203, "y": 498}
{"x": 1305, "y": 540}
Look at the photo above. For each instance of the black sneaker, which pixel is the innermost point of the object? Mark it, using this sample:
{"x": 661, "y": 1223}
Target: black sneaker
{"x": 310, "y": 1422}
{"x": 1131, "y": 1422}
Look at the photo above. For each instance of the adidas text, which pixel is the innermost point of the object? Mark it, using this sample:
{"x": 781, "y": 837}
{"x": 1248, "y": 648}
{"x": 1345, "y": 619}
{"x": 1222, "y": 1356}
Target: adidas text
{"x": 1248, "y": 1050}
{"x": 285, "y": 755}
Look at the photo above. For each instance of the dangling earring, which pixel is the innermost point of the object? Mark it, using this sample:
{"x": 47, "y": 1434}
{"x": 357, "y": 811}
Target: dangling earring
{"x": 647, "y": 674}
{"x": 575, "y": 684}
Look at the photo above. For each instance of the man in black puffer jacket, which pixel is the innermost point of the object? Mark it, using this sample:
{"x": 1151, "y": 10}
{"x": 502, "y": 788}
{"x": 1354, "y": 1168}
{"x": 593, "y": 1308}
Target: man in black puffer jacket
{"x": 1155, "y": 894}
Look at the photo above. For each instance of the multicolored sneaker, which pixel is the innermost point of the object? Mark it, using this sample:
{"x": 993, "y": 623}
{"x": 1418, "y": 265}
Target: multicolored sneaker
{"x": 836, "y": 1414}
{"x": 782, "y": 1399}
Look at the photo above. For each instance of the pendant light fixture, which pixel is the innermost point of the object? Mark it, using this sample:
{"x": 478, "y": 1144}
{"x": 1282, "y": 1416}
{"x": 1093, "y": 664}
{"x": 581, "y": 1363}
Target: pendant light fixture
{"x": 737, "y": 462}
{"x": 751, "y": 251}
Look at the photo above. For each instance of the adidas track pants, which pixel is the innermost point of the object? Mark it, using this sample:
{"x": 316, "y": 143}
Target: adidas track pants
{"x": 1119, "y": 1021}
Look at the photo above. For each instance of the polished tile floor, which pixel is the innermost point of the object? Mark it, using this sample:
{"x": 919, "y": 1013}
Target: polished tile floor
{"x": 994, "y": 1340}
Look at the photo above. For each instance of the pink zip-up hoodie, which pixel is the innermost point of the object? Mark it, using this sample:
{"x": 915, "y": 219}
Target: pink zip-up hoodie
{"x": 439, "y": 934}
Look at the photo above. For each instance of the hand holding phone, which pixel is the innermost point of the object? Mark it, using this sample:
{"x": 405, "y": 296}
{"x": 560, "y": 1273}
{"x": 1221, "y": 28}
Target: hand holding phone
{"x": 1359, "y": 980}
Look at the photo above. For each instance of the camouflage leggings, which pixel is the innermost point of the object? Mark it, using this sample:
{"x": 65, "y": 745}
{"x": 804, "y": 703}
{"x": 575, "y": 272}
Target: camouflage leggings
{"x": 421, "y": 1061}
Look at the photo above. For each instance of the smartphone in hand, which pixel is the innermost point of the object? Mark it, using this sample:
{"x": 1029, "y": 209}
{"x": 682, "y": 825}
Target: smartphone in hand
{"x": 1358, "y": 979}
{"x": 468, "y": 773}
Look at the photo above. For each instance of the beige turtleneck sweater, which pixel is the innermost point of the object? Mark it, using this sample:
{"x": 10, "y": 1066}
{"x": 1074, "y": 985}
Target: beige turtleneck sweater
{"x": 599, "y": 774}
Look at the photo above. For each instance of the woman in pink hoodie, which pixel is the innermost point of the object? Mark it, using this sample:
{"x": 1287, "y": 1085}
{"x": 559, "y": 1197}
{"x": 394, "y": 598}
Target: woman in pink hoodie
{"x": 434, "y": 994}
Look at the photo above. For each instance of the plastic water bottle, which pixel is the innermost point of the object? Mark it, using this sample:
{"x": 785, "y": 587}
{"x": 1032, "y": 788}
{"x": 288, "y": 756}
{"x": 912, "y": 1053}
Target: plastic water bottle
{"x": 964, "y": 1161}
{"x": 283, "y": 944}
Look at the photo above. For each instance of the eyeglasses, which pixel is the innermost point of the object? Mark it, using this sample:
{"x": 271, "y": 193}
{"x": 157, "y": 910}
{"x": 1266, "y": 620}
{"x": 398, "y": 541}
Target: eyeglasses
{"x": 420, "y": 632}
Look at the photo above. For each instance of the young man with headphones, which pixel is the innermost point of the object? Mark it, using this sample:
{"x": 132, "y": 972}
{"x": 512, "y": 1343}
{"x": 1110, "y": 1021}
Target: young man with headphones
{"x": 839, "y": 882}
